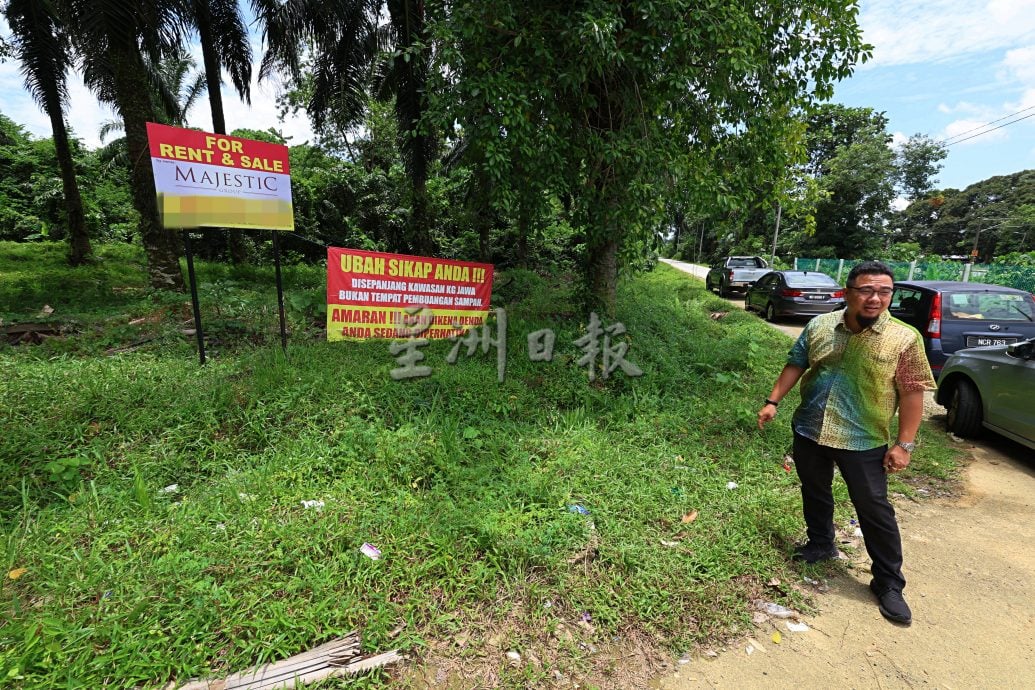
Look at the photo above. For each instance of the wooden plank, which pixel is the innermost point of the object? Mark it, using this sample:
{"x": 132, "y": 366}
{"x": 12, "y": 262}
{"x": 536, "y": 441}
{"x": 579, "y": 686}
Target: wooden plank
{"x": 339, "y": 657}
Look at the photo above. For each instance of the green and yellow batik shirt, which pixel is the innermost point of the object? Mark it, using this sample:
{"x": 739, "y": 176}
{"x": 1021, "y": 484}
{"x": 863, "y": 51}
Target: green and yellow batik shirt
{"x": 851, "y": 386}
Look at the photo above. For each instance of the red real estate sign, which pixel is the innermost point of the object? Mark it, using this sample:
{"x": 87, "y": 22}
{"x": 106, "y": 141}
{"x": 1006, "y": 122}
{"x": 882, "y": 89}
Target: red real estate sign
{"x": 215, "y": 180}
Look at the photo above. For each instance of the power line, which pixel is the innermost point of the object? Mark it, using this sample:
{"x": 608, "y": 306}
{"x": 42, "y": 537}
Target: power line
{"x": 1004, "y": 117}
{"x": 1013, "y": 122}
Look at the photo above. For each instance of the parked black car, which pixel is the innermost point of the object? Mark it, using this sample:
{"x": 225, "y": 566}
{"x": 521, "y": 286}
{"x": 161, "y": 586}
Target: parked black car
{"x": 953, "y": 316}
{"x": 794, "y": 293}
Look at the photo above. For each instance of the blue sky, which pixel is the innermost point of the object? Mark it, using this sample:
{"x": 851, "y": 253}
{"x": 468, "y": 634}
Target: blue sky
{"x": 945, "y": 68}
{"x": 940, "y": 67}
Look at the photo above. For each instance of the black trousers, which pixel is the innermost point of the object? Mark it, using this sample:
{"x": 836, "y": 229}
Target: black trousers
{"x": 863, "y": 472}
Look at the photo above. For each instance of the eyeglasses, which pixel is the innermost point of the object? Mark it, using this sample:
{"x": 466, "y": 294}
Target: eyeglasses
{"x": 869, "y": 292}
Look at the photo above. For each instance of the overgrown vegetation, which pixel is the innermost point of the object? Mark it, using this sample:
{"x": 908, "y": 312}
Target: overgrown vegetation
{"x": 156, "y": 506}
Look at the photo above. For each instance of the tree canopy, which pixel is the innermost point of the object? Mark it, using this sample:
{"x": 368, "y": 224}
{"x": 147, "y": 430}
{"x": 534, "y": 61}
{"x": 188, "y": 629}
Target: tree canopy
{"x": 524, "y": 133}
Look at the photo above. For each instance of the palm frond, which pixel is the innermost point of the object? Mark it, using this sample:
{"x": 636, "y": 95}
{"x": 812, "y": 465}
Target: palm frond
{"x": 109, "y": 127}
{"x": 233, "y": 47}
{"x": 40, "y": 42}
{"x": 189, "y": 95}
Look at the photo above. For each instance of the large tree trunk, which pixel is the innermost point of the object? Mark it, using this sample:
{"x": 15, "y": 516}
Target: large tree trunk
{"x": 78, "y": 238}
{"x": 602, "y": 275}
{"x": 484, "y": 228}
{"x": 162, "y": 247}
{"x": 523, "y": 228}
{"x": 420, "y": 241}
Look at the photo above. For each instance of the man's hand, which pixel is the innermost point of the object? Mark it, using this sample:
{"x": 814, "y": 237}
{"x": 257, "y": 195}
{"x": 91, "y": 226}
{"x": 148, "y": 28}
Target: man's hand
{"x": 896, "y": 459}
{"x": 784, "y": 382}
{"x": 766, "y": 414}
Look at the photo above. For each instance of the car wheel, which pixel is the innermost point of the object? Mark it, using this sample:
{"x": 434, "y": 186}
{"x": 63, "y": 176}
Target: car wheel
{"x": 770, "y": 313}
{"x": 723, "y": 290}
{"x": 964, "y": 416}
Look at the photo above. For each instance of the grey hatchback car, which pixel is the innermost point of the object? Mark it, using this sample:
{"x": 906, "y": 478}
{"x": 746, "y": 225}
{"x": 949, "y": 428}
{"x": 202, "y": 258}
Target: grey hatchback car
{"x": 993, "y": 388}
{"x": 952, "y": 316}
{"x": 794, "y": 293}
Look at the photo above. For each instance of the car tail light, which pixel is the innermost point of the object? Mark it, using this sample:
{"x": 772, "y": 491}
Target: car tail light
{"x": 838, "y": 293}
{"x": 786, "y": 292}
{"x": 934, "y": 324}
{"x": 729, "y": 274}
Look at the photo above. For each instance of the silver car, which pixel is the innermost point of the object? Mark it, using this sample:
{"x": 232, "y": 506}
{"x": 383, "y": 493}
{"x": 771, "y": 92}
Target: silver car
{"x": 993, "y": 388}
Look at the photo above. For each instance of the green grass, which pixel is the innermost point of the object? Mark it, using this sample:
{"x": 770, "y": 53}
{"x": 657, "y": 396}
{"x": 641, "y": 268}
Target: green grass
{"x": 464, "y": 483}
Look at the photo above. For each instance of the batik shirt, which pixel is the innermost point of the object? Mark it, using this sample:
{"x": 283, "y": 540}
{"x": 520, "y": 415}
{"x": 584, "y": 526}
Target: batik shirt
{"x": 851, "y": 386}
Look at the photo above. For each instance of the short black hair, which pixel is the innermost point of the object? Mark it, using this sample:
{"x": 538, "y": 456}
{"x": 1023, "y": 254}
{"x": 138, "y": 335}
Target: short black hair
{"x": 868, "y": 268}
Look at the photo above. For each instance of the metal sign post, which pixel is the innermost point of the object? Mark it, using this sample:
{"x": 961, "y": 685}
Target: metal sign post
{"x": 280, "y": 291}
{"x": 194, "y": 295}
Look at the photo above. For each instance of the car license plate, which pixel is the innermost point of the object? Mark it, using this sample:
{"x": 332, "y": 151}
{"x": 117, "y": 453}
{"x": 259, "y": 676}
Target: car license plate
{"x": 982, "y": 341}
{"x": 816, "y": 297}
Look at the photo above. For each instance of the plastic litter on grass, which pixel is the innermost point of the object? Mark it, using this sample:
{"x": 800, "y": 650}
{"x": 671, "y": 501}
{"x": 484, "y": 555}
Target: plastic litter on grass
{"x": 774, "y": 610}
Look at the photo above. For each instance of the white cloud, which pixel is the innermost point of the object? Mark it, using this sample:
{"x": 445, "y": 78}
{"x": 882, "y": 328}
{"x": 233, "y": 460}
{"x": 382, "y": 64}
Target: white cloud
{"x": 966, "y": 108}
{"x": 85, "y": 115}
{"x": 262, "y": 114}
{"x": 916, "y": 31}
{"x": 897, "y": 139}
{"x": 1020, "y": 64}
{"x": 972, "y": 128}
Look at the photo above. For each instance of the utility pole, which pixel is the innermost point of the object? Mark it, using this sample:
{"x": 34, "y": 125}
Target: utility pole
{"x": 776, "y": 235}
{"x": 974, "y": 251}
{"x": 700, "y": 245}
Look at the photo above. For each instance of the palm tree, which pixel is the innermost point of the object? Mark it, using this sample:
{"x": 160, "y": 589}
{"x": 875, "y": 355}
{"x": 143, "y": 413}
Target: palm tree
{"x": 406, "y": 77}
{"x": 42, "y": 46}
{"x": 175, "y": 90}
{"x": 350, "y": 54}
{"x": 342, "y": 41}
{"x": 224, "y": 45}
{"x": 111, "y": 38}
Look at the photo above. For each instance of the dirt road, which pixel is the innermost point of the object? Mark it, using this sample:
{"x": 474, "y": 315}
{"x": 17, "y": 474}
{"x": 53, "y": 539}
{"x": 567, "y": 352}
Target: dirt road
{"x": 970, "y": 564}
{"x": 971, "y": 571}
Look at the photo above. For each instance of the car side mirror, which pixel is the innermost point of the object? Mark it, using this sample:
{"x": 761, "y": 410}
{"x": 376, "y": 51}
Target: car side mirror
{"x": 1022, "y": 350}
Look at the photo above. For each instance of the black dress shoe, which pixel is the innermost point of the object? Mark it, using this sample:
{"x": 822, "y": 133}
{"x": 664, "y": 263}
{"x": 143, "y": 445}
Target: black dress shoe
{"x": 814, "y": 554}
{"x": 893, "y": 605}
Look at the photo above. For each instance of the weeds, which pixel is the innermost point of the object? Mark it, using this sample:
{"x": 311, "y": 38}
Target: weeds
{"x": 464, "y": 484}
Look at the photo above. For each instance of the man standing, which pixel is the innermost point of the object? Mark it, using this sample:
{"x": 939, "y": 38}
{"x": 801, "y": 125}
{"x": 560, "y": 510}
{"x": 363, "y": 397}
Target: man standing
{"x": 856, "y": 367}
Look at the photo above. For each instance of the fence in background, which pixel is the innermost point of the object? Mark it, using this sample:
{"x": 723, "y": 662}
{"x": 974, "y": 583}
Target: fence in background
{"x": 1020, "y": 277}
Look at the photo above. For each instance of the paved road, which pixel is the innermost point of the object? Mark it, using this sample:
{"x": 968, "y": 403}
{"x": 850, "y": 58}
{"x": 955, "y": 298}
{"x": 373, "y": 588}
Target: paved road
{"x": 790, "y": 327}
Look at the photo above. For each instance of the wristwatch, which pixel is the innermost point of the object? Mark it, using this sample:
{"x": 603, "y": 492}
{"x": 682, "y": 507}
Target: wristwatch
{"x": 906, "y": 446}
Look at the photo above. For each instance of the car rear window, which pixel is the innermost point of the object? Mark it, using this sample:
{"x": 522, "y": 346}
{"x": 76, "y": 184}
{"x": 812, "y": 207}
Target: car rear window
{"x": 811, "y": 280}
{"x": 982, "y": 306}
{"x": 744, "y": 263}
